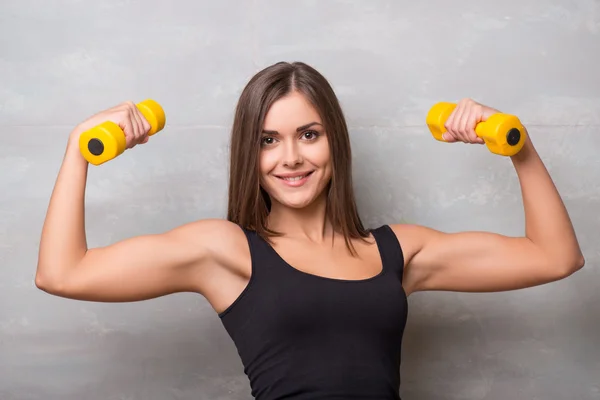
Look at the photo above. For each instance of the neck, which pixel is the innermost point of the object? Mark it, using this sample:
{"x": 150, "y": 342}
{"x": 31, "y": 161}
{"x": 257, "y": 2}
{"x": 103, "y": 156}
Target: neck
{"x": 309, "y": 223}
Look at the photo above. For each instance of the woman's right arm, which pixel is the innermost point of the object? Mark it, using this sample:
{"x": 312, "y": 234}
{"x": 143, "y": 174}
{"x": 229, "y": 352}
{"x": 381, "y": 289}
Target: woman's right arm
{"x": 134, "y": 269}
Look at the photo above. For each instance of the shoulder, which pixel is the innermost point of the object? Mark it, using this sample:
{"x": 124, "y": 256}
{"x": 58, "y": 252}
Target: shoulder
{"x": 221, "y": 257}
{"x": 212, "y": 230}
{"x": 216, "y": 238}
{"x": 413, "y": 238}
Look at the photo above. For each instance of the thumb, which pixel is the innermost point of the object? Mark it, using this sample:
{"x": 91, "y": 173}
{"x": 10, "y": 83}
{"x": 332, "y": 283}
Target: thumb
{"x": 446, "y": 137}
{"x": 487, "y": 112}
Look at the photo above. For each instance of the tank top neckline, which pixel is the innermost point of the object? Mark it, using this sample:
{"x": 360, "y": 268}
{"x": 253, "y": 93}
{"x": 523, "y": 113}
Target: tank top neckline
{"x": 380, "y": 249}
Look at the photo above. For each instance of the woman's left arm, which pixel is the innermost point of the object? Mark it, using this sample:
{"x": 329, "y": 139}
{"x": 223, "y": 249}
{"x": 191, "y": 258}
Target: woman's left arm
{"x": 483, "y": 261}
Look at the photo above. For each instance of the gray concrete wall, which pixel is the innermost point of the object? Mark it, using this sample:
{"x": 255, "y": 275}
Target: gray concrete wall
{"x": 61, "y": 61}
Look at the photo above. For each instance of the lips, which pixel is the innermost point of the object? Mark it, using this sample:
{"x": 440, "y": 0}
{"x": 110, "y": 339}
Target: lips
{"x": 294, "y": 177}
{"x": 294, "y": 180}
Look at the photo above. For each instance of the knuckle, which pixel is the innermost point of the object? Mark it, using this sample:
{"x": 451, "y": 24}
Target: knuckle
{"x": 124, "y": 113}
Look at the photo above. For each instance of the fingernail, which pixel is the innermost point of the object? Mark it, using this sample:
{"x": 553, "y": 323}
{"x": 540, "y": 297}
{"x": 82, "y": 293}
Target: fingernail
{"x": 444, "y": 136}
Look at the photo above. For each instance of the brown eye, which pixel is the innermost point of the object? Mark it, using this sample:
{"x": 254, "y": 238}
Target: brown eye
{"x": 310, "y": 135}
{"x": 266, "y": 140}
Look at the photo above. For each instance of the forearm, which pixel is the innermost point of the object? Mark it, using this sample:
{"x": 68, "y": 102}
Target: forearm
{"x": 547, "y": 223}
{"x": 63, "y": 241}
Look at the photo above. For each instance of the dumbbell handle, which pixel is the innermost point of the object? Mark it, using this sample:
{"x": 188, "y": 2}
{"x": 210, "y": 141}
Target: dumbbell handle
{"x": 107, "y": 140}
{"x": 502, "y": 133}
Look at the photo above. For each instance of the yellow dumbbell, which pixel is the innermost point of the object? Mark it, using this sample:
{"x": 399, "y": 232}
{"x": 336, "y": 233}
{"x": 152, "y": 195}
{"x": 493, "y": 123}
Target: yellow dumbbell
{"x": 107, "y": 140}
{"x": 502, "y": 133}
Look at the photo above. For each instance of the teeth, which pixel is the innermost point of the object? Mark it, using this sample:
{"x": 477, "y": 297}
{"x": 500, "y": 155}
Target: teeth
{"x": 296, "y": 178}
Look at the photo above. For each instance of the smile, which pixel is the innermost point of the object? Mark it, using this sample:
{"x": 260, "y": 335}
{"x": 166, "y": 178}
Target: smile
{"x": 295, "y": 181}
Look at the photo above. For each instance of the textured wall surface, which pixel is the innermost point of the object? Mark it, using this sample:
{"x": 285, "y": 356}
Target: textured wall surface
{"x": 389, "y": 61}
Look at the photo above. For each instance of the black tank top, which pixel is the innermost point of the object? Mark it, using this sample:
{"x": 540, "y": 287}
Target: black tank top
{"x": 302, "y": 336}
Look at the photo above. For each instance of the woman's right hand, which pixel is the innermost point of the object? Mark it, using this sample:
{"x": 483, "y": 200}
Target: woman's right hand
{"x": 126, "y": 115}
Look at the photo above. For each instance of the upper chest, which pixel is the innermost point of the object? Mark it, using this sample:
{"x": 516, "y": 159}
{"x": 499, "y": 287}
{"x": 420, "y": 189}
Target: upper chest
{"x": 319, "y": 267}
{"x": 300, "y": 292}
{"x": 330, "y": 260}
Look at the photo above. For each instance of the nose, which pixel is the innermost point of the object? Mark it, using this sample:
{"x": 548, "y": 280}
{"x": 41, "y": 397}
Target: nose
{"x": 291, "y": 156}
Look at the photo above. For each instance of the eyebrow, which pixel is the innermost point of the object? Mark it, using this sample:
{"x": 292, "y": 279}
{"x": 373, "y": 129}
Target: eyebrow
{"x": 299, "y": 129}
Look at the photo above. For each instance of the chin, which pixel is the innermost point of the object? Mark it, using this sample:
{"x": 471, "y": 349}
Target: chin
{"x": 297, "y": 203}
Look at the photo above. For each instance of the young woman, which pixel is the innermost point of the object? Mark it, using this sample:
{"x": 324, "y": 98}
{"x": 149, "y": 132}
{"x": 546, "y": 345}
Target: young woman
{"x": 314, "y": 301}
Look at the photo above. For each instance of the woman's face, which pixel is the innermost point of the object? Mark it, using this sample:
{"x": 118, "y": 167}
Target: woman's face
{"x": 295, "y": 162}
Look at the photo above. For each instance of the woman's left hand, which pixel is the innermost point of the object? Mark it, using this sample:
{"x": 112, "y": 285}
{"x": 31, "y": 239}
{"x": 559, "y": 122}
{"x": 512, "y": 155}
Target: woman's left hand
{"x": 460, "y": 126}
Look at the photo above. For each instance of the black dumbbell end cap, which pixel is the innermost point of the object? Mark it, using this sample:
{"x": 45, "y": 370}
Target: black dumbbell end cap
{"x": 513, "y": 137}
{"x": 95, "y": 146}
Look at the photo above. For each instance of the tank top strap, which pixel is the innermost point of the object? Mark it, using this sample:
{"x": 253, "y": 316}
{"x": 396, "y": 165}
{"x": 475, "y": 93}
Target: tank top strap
{"x": 261, "y": 255}
{"x": 261, "y": 262}
{"x": 390, "y": 249}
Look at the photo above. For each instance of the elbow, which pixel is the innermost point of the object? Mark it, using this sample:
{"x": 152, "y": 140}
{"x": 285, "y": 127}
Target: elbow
{"x": 55, "y": 277}
{"x": 571, "y": 265}
{"x": 42, "y": 283}
{"x": 578, "y": 263}
{"x": 40, "y": 279}
{"x": 48, "y": 284}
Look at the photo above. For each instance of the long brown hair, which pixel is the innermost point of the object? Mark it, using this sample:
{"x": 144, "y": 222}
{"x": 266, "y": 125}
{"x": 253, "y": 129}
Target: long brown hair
{"x": 249, "y": 204}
